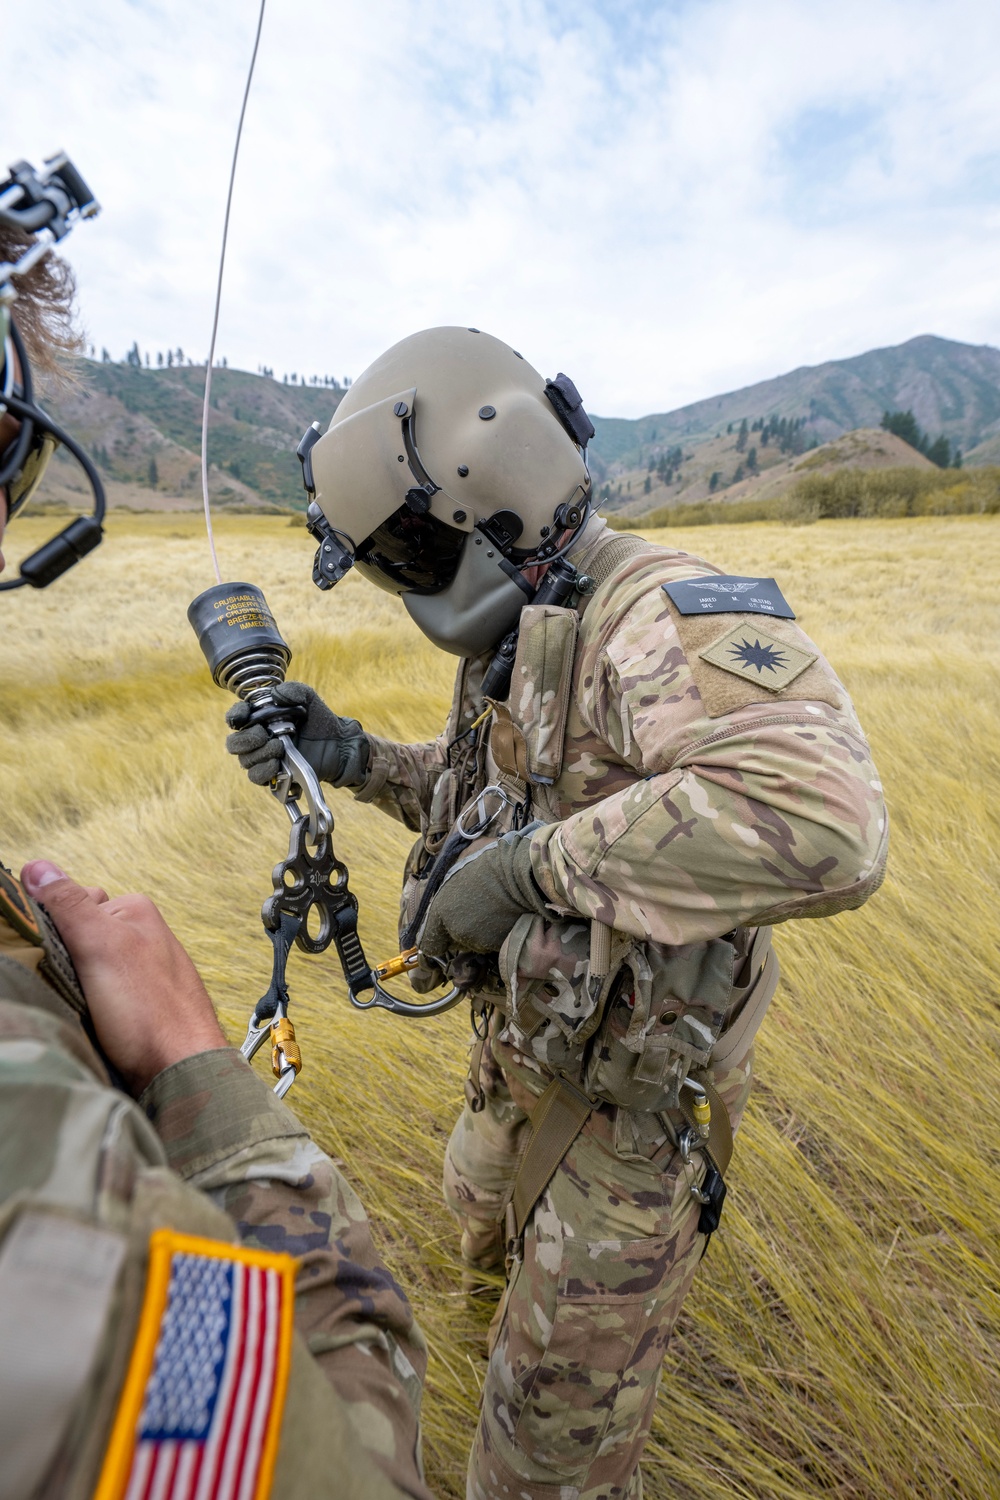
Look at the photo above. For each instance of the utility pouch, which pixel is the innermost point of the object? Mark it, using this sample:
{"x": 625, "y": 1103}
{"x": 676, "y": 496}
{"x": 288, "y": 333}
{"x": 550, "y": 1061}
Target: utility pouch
{"x": 667, "y": 1010}
{"x": 529, "y": 731}
{"x": 551, "y": 1003}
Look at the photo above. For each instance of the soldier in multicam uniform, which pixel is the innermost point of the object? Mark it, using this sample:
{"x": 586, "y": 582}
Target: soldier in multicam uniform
{"x": 192, "y": 1302}
{"x": 615, "y": 831}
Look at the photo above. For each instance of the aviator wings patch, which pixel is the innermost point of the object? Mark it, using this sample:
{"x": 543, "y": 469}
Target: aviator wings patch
{"x": 729, "y": 595}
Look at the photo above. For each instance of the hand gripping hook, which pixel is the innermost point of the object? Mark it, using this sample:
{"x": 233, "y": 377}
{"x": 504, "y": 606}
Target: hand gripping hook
{"x": 296, "y": 780}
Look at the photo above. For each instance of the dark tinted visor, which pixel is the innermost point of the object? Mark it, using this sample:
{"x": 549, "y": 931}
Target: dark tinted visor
{"x": 411, "y": 553}
{"x": 31, "y": 473}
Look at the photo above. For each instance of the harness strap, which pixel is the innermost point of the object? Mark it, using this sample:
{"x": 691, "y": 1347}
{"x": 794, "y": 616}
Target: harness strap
{"x": 735, "y": 1042}
{"x": 474, "y": 1096}
{"x": 556, "y": 1121}
{"x": 719, "y": 1145}
{"x": 613, "y": 554}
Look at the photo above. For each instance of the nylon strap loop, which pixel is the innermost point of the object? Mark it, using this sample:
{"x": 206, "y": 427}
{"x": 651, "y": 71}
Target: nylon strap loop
{"x": 557, "y": 1119}
{"x": 720, "y": 1132}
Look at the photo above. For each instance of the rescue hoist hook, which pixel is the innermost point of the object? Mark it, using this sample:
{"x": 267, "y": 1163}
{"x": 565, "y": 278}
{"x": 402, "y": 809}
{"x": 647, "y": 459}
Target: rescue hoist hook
{"x": 311, "y": 904}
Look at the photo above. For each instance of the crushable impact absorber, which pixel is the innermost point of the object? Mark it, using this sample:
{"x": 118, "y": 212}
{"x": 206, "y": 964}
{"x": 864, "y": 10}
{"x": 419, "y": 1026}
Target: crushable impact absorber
{"x": 239, "y": 638}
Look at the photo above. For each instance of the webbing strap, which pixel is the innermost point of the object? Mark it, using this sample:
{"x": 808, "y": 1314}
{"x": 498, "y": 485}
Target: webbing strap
{"x": 611, "y": 555}
{"x": 475, "y": 1098}
{"x": 556, "y": 1121}
{"x": 720, "y": 1132}
{"x": 735, "y": 1043}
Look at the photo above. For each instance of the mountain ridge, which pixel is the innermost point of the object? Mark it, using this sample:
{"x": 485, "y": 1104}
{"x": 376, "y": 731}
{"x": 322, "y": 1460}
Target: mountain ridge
{"x": 951, "y": 387}
{"x": 144, "y": 425}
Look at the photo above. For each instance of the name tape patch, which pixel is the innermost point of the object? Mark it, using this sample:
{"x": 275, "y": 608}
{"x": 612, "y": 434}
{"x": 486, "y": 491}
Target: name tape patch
{"x": 729, "y": 596}
{"x": 200, "y": 1411}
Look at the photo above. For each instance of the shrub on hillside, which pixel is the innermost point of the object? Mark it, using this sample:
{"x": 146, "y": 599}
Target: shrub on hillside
{"x": 860, "y": 493}
{"x": 895, "y": 492}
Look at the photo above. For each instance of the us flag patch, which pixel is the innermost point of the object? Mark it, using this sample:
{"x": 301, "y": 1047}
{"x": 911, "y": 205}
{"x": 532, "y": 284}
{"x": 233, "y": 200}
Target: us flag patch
{"x": 200, "y": 1411}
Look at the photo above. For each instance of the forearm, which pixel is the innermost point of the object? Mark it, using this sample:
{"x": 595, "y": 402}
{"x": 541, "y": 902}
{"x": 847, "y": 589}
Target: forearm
{"x": 226, "y": 1134}
{"x": 774, "y": 833}
{"x": 401, "y": 778}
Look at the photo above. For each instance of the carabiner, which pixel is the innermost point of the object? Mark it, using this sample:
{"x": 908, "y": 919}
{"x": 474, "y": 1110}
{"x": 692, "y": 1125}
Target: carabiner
{"x": 485, "y": 818}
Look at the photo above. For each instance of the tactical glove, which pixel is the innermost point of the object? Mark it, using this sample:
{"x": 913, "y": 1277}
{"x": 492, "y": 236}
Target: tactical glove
{"x": 336, "y": 748}
{"x": 482, "y": 898}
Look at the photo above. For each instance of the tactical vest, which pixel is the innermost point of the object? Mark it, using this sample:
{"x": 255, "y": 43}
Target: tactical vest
{"x": 626, "y": 1021}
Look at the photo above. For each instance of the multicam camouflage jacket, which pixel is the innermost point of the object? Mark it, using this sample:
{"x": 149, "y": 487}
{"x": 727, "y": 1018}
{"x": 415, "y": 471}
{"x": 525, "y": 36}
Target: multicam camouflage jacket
{"x": 209, "y": 1165}
{"x": 695, "y": 774}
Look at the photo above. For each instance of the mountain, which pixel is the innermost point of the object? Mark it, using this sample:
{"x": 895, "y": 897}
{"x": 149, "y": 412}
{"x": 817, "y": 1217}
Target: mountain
{"x": 951, "y": 388}
{"x": 770, "y": 476}
{"x": 144, "y": 427}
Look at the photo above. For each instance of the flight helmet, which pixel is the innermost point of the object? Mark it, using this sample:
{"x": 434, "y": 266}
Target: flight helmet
{"x": 449, "y": 468}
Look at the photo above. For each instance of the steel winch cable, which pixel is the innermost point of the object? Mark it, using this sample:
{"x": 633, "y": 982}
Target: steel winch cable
{"x": 247, "y": 656}
{"x": 218, "y": 300}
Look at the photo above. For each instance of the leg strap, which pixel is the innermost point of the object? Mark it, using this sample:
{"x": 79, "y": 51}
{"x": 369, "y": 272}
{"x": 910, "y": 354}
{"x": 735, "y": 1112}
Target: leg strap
{"x": 556, "y": 1121}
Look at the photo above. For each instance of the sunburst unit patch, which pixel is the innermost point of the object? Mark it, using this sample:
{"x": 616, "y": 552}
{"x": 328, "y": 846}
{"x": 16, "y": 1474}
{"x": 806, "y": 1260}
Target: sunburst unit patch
{"x": 200, "y": 1411}
{"x": 758, "y": 656}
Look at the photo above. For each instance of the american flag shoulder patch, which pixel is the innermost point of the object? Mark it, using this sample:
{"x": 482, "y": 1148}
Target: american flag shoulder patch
{"x": 199, "y": 1415}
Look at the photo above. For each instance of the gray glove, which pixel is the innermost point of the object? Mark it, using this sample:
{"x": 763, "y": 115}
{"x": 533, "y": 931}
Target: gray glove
{"x": 336, "y": 748}
{"x": 482, "y": 898}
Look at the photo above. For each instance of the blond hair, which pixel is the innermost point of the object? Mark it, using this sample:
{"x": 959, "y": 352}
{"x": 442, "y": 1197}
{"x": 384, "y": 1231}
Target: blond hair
{"x": 44, "y": 309}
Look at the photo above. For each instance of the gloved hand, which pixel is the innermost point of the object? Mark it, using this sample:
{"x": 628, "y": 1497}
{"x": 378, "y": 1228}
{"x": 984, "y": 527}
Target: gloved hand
{"x": 336, "y": 748}
{"x": 482, "y": 898}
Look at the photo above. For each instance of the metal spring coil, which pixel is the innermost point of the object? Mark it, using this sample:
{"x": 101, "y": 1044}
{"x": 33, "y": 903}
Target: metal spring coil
{"x": 253, "y": 670}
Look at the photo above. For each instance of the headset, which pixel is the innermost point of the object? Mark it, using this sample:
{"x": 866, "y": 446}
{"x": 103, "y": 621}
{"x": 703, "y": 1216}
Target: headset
{"x": 40, "y": 203}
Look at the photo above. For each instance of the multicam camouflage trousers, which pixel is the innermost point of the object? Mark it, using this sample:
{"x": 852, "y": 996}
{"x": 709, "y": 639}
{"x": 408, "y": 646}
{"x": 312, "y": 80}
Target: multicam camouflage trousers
{"x": 608, "y": 1257}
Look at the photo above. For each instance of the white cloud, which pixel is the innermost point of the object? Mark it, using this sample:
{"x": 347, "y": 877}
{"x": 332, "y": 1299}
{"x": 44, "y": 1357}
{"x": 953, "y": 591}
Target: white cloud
{"x": 664, "y": 200}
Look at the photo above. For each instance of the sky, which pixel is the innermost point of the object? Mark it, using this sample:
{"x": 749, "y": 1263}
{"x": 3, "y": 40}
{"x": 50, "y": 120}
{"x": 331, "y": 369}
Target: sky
{"x": 664, "y": 200}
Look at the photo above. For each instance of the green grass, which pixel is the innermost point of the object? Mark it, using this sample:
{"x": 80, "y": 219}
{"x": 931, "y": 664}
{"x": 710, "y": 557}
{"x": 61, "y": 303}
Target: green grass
{"x": 843, "y": 1335}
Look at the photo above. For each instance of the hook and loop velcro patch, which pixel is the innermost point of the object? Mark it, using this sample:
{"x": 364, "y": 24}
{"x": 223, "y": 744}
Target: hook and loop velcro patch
{"x": 200, "y": 1411}
{"x": 759, "y": 656}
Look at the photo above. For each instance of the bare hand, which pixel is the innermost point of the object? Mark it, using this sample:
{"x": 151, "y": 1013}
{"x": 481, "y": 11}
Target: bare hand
{"x": 148, "y": 1004}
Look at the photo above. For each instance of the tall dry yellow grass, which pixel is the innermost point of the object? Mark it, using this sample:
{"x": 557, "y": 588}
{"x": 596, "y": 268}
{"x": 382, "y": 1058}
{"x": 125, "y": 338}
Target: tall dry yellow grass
{"x": 844, "y": 1335}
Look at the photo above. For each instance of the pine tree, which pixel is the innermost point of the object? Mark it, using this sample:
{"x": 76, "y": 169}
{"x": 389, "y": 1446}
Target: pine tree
{"x": 903, "y": 424}
{"x": 939, "y": 452}
{"x": 154, "y": 474}
{"x": 713, "y": 483}
{"x": 741, "y": 441}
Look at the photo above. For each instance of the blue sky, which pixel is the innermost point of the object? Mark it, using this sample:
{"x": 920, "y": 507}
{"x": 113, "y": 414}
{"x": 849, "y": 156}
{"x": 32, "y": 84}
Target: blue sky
{"x": 663, "y": 200}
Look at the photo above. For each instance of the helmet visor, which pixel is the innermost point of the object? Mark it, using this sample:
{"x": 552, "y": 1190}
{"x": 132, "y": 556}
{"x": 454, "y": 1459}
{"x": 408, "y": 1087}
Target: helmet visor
{"x": 31, "y": 473}
{"x": 411, "y": 553}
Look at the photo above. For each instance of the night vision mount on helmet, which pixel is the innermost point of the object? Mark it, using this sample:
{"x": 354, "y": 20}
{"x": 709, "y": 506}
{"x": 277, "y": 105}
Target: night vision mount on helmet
{"x": 40, "y": 203}
{"x": 449, "y": 468}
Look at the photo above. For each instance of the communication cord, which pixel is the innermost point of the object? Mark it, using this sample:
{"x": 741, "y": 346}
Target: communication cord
{"x": 218, "y": 300}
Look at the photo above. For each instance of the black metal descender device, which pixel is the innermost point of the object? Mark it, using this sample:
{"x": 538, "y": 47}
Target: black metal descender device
{"x": 311, "y": 905}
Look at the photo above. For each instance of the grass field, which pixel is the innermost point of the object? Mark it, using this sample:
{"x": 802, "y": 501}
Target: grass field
{"x": 843, "y": 1338}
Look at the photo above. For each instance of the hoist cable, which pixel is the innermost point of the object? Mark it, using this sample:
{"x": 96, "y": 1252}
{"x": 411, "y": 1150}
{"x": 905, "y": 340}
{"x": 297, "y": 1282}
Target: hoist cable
{"x": 218, "y": 300}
